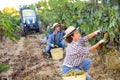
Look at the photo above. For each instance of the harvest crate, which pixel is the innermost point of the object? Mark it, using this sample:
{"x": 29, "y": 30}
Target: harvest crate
{"x": 57, "y": 53}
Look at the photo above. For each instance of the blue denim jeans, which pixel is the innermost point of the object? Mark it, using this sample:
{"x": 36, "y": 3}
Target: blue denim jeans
{"x": 85, "y": 66}
{"x": 48, "y": 47}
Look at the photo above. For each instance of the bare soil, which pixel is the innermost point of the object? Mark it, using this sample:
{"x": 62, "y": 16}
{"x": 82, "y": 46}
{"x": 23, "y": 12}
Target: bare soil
{"x": 27, "y": 62}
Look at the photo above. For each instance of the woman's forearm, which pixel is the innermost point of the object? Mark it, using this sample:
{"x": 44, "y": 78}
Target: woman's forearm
{"x": 91, "y": 35}
{"x": 94, "y": 47}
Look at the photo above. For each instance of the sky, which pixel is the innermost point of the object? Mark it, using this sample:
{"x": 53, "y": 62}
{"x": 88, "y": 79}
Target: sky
{"x": 15, "y": 3}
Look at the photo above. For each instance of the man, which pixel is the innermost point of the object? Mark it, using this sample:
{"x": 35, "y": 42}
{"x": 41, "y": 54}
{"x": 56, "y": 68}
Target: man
{"x": 55, "y": 39}
{"x": 48, "y": 32}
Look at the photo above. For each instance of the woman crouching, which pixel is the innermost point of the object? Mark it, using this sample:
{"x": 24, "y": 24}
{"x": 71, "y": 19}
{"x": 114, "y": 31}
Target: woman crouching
{"x": 75, "y": 51}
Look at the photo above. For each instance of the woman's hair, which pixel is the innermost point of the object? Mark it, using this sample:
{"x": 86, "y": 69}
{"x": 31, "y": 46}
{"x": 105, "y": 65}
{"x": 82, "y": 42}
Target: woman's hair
{"x": 69, "y": 38}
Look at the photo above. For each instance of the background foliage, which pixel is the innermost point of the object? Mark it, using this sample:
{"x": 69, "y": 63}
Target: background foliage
{"x": 9, "y": 20}
{"x": 89, "y": 16}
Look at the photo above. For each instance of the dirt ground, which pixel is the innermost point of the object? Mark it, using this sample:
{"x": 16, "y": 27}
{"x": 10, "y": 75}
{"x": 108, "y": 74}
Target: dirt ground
{"x": 27, "y": 62}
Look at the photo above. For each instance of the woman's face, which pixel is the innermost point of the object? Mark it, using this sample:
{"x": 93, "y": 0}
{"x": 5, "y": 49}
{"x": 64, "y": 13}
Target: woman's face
{"x": 76, "y": 35}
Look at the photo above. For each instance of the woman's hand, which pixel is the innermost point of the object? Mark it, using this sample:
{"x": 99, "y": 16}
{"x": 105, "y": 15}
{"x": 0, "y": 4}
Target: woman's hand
{"x": 102, "y": 41}
{"x": 94, "y": 33}
{"x": 98, "y": 32}
{"x": 97, "y": 44}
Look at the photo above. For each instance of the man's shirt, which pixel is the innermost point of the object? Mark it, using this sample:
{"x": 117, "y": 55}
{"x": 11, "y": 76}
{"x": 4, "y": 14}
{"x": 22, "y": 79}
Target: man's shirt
{"x": 55, "y": 38}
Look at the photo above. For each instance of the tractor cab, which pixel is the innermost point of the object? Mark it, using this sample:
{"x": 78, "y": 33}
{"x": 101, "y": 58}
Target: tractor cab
{"x": 29, "y": 20}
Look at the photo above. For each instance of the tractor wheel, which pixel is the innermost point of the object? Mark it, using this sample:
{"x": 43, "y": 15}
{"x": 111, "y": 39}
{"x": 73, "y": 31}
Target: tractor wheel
{"x": 22, "y": 31}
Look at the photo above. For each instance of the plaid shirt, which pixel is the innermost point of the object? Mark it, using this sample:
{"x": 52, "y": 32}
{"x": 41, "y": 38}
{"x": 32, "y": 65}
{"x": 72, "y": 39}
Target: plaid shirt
{"x": 75, "y": 52}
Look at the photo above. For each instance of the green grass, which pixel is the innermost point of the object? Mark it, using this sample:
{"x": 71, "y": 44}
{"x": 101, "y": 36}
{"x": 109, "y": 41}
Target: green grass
{"x": 3, "y": 67}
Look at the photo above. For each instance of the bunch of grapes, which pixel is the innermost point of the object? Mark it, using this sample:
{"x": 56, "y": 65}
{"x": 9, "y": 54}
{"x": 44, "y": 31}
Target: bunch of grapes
{"x": 73, "y": 73}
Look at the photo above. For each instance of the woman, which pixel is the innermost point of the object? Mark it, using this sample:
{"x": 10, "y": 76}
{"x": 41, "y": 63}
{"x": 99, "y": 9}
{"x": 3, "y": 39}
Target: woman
{"x": 75, "y": 50}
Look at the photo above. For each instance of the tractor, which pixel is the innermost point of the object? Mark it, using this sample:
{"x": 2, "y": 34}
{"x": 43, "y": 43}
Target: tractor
{"x": 29, "y": 21}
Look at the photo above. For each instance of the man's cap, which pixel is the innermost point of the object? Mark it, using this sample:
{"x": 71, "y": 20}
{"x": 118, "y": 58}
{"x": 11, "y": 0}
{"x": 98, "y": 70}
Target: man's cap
{"x": 55, "y": 25}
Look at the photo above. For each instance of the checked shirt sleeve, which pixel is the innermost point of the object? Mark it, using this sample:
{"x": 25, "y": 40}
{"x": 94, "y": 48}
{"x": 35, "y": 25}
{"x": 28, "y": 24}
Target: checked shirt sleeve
{"x": 82, "y": 40}
{"x": 77, "y": 48}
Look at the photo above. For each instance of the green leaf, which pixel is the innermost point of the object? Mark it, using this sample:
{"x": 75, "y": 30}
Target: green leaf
{"x": 3, "y": 67}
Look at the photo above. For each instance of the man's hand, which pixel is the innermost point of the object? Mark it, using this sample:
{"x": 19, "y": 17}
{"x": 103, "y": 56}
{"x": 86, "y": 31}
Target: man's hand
{"x": 98, "y": 32}
{"x": 52, "y": 45}
{"x": 102, "y": 41}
